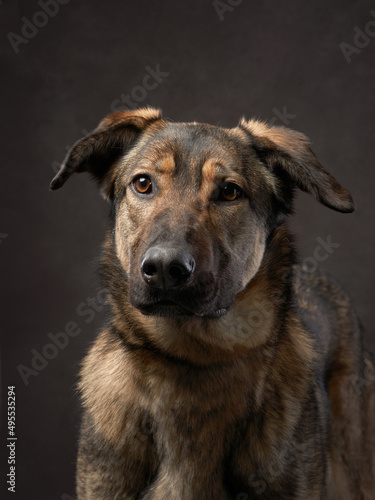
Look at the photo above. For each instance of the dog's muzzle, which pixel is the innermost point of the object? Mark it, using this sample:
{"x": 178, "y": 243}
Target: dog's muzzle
{"x": 171, "y": 285}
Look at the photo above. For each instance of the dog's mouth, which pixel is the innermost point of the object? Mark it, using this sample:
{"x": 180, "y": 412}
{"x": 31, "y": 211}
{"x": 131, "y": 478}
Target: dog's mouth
{"x": 169, "y": 308}
{"x": 164, "y": 308}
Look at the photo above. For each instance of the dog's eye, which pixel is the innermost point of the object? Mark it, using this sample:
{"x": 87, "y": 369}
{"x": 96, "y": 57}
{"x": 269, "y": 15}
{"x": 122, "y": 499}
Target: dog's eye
{"x": 143, "y": 184}
{"x": 230, "y": 192}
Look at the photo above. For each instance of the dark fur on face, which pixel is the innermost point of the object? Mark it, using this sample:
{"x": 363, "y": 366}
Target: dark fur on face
{"x": 217, "y": 352}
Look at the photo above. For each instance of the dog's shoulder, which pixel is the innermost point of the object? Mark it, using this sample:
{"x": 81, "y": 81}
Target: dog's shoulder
{"x": 318, "y": 288}
{"x": 326, "y": 310}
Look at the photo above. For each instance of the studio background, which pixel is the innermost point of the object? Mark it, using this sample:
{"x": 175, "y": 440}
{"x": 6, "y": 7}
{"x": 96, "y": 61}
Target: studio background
{"x": 282, "y": 62}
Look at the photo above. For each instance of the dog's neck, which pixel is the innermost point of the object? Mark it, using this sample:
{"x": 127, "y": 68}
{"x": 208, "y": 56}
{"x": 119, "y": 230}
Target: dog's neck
{"x": 256, "y": 320}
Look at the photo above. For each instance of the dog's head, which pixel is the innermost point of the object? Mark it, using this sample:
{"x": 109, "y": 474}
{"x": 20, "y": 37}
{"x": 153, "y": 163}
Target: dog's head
{"x": 194, "y": 204}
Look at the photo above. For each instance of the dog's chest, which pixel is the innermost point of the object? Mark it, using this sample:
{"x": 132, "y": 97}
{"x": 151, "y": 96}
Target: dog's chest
{"x": 195, "y": 419}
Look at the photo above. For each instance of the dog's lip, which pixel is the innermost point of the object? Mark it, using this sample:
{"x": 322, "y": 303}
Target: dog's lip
{"x": 170, "y": 307}
{"x": 164, "y": 308}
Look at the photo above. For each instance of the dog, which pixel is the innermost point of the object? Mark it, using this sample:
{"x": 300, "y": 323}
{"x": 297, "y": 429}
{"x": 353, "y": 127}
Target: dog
{"x": 226, "y": 370}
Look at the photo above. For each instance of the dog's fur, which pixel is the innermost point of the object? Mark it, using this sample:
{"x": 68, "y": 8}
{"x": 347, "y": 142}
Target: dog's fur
{"x": 254, "y": 384}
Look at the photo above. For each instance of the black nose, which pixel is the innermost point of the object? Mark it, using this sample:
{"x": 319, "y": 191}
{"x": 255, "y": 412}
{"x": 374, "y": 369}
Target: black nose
{"x": 165, "y": 268}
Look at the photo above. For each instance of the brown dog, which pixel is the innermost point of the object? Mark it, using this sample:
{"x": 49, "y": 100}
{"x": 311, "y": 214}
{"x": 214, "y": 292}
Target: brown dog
{"x": 225, "y": 371}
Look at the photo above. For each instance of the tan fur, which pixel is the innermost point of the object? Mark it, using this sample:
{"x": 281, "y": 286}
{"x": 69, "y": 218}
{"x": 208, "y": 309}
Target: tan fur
{"x": 283, "y": 137}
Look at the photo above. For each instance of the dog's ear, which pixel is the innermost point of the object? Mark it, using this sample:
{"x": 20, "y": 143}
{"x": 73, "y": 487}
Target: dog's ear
{"x": 288, "y": 153}
{"x": 97, "y": 152}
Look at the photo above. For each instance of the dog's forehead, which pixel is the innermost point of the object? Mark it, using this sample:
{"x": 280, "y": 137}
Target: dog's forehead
{"x": 194, "y": 139}
{"x": 194, "y": 148}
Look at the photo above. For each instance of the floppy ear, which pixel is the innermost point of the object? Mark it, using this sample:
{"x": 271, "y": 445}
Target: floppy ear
{"x": 287, "y": 152}
{"x": 97, "y": 152}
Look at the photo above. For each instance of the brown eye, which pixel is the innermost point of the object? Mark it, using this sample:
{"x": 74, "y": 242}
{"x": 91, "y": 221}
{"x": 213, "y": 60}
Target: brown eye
{"x": 230, "y": 192}
{"x": 143, "y": 184}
